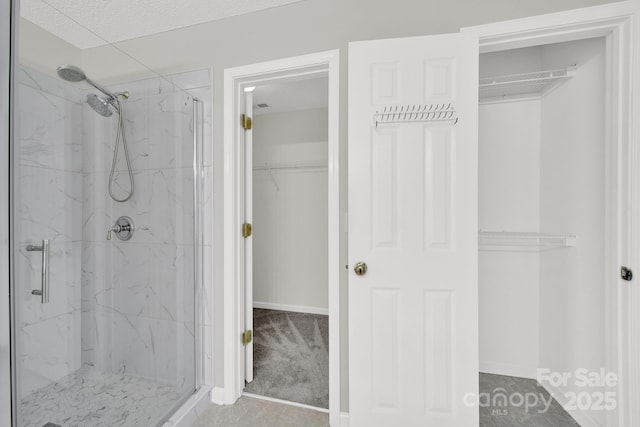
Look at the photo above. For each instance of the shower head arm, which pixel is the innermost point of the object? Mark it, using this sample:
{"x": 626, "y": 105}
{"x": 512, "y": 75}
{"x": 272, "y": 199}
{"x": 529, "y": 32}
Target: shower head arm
{"x": 101, "y": 89}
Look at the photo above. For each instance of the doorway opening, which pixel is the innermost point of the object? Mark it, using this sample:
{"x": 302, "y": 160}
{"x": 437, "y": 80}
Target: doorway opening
{"x": 585, "y": 136}
{"x": 290, "y": 246}
{"x": 319, "y": 158}
{"x": 544, "y": 267}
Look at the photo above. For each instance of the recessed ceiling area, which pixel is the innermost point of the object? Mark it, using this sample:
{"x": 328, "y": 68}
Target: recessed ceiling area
{"x": 298, "y": 95}
{"x": 87, "y": 24}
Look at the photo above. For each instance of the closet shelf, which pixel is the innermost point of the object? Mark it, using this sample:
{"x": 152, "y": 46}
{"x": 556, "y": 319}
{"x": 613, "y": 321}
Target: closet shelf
{"x": 292, "y": 166}
{"x": 512, "y": 85}
{"x": 522, "y": 241}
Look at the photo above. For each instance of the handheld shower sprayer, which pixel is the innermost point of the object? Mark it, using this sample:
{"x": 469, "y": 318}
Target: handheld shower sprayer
{"x": 103, "y": 105}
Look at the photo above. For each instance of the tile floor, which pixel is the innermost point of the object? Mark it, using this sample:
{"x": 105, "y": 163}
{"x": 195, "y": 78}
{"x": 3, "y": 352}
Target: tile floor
{"x": 90, "y": 399}
{"x": 249, "y": 412}
{"x": 87, "y": 398}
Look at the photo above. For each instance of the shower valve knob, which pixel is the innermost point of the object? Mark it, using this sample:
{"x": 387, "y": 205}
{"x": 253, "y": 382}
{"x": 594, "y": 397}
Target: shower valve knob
{"x": 123, "y": 228}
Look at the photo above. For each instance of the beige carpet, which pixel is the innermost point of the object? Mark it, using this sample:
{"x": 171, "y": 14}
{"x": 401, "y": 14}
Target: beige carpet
{"x": 291, "y": 357}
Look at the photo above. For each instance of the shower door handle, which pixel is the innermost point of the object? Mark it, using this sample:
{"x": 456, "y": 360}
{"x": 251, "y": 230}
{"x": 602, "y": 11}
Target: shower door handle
{"x": 43, "y": 292}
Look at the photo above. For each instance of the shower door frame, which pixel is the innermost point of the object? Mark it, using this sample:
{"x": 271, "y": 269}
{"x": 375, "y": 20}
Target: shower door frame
{"x": 7, "y": 71}
{"x": 202, "y": 383}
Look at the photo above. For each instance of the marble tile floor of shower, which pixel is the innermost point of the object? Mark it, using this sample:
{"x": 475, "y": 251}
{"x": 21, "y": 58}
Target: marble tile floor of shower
{"x": 87, "y": 398}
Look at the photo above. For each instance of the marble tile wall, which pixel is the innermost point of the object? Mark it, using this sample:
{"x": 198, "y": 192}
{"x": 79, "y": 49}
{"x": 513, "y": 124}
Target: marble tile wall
{"x": 138, "y": 296}
{"x": 48, "y": 205}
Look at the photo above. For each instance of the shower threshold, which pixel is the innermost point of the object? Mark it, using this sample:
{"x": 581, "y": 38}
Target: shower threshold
{"x": 89, "y": 398}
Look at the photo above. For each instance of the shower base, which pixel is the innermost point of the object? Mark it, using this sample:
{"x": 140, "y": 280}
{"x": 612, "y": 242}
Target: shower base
{"x": 89, "y": 398}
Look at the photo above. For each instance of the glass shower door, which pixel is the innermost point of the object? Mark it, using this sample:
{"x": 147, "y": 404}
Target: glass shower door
{"x": 47, "y": 235}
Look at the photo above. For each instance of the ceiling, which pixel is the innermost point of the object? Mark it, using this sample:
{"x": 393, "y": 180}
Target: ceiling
{"x": 288, "y": 96}
{"x": 86, "y": 24}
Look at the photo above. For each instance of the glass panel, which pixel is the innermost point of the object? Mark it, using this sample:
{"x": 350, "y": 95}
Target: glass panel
{"x": 5, "y": 332}
{"x": 113, "y": 341}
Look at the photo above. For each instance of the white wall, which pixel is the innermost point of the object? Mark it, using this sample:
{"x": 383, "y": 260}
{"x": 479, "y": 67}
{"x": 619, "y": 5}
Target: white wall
{"x": 572, "y": 190}
{"x": 290, "y": 212}
{"x": 509, "y": 177}
{"x": 514, "y": 61}
{"x": 292, "y": 127}
{"x": 296, "y": 29}
{"x": 40, "y": 50}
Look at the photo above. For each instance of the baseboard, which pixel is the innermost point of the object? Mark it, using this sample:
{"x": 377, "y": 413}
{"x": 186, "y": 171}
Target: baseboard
{"x": 509, "y": 370}
{"x": 288, "y": 307}
{"x": 217, "y": 395}
{"x": 344, "y": 419}
{"x": 581, "y": 417}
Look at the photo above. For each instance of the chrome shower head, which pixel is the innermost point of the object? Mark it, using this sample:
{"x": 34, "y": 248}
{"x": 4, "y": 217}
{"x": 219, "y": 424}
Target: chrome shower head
{"x": 100, "y": 104}
{"x": 71, "y": 73}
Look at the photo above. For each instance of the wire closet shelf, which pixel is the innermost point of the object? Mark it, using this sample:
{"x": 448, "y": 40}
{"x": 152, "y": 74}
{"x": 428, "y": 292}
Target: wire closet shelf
{"x": 416, "y": 113}
{"x": 522, "y": 241}
{"x": 534, "y": 83}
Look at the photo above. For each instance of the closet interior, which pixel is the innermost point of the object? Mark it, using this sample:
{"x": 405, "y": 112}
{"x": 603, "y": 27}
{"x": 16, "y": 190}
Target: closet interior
{"x": 290, "y": 196}
{"x": 542, "y": 213}
{"x": 290, "y": 241}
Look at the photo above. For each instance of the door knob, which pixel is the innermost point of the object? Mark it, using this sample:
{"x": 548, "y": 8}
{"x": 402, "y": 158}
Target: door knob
{"x": 360, "y": 268}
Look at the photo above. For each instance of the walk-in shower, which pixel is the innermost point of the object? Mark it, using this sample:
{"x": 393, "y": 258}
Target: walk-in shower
{"x": 103, "y": 105}
{"x": 110, "y": 337}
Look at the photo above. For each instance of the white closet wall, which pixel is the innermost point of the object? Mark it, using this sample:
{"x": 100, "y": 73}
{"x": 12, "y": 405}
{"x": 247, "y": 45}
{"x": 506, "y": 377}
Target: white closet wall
{"x": 509, "y": 190}
{"x": 290, "y": 211}
{"x": 572, "y": 200}
{"x": 508, "y": 198}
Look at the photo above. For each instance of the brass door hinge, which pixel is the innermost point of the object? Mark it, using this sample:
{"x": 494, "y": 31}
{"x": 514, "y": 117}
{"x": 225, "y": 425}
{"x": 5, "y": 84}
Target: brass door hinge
{"x": 247, "y": 336}
{"x": 246, "y": 122}
{"x": 246, "y": 230}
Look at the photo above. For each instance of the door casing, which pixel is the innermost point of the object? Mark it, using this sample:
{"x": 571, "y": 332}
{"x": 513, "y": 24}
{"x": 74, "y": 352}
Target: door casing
{"x": 617, "y": 23}
{"x": 235, "y": 80}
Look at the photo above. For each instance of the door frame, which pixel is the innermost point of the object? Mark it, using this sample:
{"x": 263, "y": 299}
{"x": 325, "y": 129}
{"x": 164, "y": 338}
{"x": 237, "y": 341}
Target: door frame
{"x": 618, "y": 23}
{"x": 235, "y": 80}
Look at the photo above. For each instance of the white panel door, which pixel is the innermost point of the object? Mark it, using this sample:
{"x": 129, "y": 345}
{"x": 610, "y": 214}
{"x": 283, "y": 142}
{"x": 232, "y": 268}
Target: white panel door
{"x": 248, "y": 242}
{"x": 413, "y": 317}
